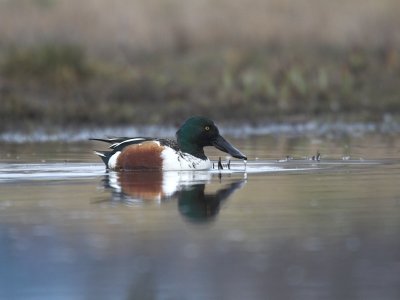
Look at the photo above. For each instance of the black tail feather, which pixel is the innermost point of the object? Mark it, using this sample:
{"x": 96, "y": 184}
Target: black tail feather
{"x": 104, "y": 155}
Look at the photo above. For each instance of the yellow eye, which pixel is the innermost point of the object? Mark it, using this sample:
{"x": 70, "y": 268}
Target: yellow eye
{"x": 207, "y": 128}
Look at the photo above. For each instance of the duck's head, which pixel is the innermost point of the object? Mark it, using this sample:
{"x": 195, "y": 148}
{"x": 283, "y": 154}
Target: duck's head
{"x": 199, "y": 132}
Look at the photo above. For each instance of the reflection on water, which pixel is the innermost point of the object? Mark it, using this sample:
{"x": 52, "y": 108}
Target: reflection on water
{"x": 197, "y": 206}
{"x": 297, "y": 229}
{"x": 187, "y": 188}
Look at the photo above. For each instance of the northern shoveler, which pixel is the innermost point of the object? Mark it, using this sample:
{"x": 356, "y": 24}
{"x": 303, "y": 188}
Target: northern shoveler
{"x": 186, "y": 153}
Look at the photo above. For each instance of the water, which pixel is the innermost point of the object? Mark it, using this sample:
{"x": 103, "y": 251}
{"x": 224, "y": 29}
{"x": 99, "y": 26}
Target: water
{"x": 280, "y": 229}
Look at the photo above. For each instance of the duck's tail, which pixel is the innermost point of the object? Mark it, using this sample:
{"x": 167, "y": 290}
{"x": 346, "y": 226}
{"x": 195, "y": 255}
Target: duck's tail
{"x": 104, "y": 155}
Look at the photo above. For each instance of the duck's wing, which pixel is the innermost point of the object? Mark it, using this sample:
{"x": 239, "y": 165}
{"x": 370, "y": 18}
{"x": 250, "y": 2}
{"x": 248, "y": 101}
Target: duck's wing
{"x": 117, "y": 143}
{"x": 110, "y": 140}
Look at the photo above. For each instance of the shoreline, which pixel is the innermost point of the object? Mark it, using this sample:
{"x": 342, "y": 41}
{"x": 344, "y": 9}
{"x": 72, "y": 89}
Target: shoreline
{"x": 308, "y": 129}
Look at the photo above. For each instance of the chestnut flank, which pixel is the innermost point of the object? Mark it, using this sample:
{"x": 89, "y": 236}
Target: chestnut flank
{"x": 142, "y": 156}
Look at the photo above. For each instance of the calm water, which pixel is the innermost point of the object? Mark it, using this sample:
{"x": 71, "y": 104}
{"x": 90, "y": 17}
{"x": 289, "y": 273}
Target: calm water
{"x": 296, "y": 229}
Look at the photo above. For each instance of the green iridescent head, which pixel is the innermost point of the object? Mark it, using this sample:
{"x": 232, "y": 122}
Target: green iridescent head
{"x": 198, "y": 132}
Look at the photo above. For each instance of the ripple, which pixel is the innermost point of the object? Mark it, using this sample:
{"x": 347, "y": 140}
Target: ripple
{"x": 48, "y": 171}
{"x": 14, "y": 172}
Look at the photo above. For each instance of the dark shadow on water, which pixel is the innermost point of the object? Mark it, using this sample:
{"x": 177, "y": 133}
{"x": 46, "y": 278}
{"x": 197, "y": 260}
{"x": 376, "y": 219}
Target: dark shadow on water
{"x": 195, "y": 204}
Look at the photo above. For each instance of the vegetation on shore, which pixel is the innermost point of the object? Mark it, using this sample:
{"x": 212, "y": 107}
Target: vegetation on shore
{"x": 97, "y": 63}
{"x": 59, "y": 85}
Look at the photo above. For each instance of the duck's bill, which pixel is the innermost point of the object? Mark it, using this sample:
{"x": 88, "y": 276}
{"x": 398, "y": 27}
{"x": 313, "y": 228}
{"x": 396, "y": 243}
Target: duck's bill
{"x": 223, "y": 145}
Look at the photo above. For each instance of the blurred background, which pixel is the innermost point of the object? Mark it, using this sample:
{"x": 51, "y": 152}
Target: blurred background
{"x": 129, "y": 62}
{"x": 289, "y": 81}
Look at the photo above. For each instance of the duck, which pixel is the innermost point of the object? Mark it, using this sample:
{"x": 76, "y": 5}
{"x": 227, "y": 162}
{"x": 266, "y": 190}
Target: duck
{"x": 184, "y": 153}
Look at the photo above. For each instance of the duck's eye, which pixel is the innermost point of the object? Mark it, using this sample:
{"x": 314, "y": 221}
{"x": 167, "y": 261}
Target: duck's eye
{"x": 206, "y": 128}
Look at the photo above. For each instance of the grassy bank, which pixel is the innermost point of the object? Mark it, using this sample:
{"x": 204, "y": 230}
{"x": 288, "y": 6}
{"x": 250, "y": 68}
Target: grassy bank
{"x": 60, "y": 85}
{"x": 75, "y": 63}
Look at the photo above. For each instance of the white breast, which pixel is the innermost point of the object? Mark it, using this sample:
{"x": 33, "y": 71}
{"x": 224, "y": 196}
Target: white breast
{"x": 174, "y": 160}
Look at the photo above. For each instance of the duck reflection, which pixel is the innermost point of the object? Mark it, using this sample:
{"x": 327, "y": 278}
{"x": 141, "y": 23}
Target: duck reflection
{"x": 189, "y": 188}
{"x": 197, "y": 206}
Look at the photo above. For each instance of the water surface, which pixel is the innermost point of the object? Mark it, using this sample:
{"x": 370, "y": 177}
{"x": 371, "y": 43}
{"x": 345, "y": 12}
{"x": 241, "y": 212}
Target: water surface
{"x": 284, "y": 227}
